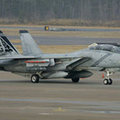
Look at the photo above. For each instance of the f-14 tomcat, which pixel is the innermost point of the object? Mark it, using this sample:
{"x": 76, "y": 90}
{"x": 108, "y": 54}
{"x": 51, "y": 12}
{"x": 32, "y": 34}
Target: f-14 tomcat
{"x": 34, "y": 63}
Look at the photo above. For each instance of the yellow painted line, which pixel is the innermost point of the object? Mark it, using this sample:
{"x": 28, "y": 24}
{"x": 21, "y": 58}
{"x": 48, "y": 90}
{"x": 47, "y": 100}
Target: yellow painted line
{"x": 15, "y": 41}
{"x": 18, "y": 46}
{"x": 59, "y": 109}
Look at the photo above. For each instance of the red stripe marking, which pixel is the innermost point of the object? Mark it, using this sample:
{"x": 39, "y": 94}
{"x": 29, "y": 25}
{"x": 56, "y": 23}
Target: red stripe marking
{"x": 36, "y": 61}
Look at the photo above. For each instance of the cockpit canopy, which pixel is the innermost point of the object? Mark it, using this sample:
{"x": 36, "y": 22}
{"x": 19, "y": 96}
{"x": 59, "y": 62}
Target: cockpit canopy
{"x": 105, "y": 47}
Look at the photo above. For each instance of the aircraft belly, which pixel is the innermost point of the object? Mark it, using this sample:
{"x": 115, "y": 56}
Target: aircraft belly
{"x": 52, "y": 74}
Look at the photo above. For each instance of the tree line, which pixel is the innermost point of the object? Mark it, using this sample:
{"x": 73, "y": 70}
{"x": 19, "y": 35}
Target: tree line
{"x": 77, "y": 12}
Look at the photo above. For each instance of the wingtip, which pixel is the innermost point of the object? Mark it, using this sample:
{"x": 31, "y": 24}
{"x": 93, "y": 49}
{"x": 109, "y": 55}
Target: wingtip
{"x": 23, "y": 31}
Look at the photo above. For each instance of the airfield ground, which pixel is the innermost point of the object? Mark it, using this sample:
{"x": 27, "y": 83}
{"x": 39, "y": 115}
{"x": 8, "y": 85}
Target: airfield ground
{"x": 60, "y": 98}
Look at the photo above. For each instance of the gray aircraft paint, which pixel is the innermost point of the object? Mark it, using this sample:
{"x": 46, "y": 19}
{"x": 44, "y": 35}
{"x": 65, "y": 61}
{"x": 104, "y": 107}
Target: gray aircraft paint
{"x": 58, "y": 63}
{"x": 101, "y": 59}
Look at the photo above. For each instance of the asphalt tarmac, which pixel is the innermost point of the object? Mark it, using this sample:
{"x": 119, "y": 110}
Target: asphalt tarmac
{"x": 62, "y": 28}
{"x": 47, "y": 39}
{"x": 63, "y": 40}
{"x": 59, "y": 99}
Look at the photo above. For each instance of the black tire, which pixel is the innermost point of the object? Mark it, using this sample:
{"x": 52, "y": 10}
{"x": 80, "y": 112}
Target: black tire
{"x": 35, "y": 78}
{"x": 105, "y": 81}
{"x": 75, "y": 80}
{"x": 110, "y": 81}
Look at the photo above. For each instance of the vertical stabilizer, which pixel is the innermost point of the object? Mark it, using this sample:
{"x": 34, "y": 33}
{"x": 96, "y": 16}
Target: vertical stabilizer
{"x": 29, "y": 46}
{"x": 6, "y": 47}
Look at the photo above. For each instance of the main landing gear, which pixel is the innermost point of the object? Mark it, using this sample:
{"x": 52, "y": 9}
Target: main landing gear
{"x": 35, "y": 78}
{"x": 75, "y": 80}
{"x": 108, "y": 80}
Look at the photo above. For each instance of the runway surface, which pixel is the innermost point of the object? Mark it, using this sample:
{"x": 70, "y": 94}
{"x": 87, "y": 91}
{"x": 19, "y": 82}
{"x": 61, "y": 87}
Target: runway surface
{"x": 52, "y": 40}
{"x": 65, "y": 38}
{"x": 58, "y": 99}
{"x": 64, "y": 29}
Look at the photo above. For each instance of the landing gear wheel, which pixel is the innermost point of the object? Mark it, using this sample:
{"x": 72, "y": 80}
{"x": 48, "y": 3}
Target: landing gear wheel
{"x": 107, "y": 81}
{"x": 75, "y": 80}
{"x": 110, "y": 81}
{"x": 35, "y": 78}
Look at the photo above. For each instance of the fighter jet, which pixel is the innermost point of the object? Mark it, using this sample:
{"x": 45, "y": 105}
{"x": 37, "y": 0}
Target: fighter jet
{"x": 38, "y": 65}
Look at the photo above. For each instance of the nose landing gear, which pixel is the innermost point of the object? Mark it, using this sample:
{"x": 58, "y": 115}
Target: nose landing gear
{"x": 108, "y": 80}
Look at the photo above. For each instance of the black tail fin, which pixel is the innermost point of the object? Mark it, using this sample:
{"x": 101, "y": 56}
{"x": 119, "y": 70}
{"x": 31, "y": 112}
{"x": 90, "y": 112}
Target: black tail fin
{"x": 7, "y": 45}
